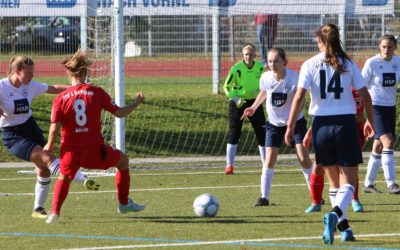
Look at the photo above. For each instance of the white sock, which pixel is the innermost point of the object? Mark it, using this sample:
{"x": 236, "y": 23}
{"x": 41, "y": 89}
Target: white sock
{"x": 230, "y": 154}
{"x": 343, "y": 198}
{"x": 388, "y": 166}
{"x": 332, "y": 195}
{"x": 41, "y": 191}
{"x": 374, "y": 164}
{"x": 262, "y": 153}
{"x": 307, "y": 173}
{"x": 79, "y": 177}
{"x": 266, "y": 181}
{"x": 55, "y": 169}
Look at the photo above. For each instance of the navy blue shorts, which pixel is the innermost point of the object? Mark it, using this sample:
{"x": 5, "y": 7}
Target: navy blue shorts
{"x": 21, "y": 139}
{"x": 336, "y": 140}
{"x": 275, "y": 135}
{"x": 384, "y": 120}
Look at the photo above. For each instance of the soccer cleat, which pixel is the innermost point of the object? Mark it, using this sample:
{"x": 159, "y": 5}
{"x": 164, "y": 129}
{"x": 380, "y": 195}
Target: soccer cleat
{"x": 347, "y": 235}
{"x": 313, "y": 208}
{"x": 371, "y": 189}
{"x": 357, "y": 206}
{"x": 330, "y": 221}
{"x": 130, "y": 207}
{"x": 91, "y": 184}
{"x": 261, "y": 202}
{"x": 229, "y": 169}
{"x": 394, "y": 189}
{"x": 52, "y": 219}
{"x": 39, "y": 213}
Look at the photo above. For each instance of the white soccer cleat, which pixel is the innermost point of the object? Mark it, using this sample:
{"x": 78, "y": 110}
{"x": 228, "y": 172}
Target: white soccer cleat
{"x": 52, "y": 219}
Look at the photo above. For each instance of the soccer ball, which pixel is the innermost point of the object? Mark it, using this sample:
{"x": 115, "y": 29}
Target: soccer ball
{"x": 205, "y": 205}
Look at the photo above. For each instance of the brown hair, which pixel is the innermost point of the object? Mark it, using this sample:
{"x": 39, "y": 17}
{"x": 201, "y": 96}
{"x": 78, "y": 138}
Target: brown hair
{"x": 390, "y": 38}
{"x": 281, "y": 53}
{"x": 329, "y": 35}
{"x": 18, "y": 63}
{"x": 77, "y": 64}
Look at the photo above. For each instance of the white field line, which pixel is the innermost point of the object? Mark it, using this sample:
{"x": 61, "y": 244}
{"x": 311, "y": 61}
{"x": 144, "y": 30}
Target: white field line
{"x": 235, "y": 242}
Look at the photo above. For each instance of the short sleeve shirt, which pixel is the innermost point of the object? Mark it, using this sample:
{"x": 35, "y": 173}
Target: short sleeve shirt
{"x": 79, "y": 110}
{"x": 381, "y": 78}
{"x": 330, "y": 91}
{"x": 279, "y": 96}
{"x": 16, "y": 102}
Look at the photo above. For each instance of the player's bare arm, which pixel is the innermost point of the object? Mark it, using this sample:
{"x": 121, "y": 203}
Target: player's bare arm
{"x": 54, "y": 132}
{"x": 56, "y": 89}
{"x": 124, "y": 111}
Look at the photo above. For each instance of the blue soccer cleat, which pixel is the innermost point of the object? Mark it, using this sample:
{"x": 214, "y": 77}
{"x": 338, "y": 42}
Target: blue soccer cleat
{"x": 330, "y": 221}
{"x": 130, "y": 207}
{"x": 313, "y": 208}
{"x": 357, "y": 206}
{"x": 347, "y": 235}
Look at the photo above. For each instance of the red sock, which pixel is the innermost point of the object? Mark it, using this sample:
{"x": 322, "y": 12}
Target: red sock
{"x": 355, "y": 195}
{"x": 61, "y": 189}
{"x": 123, "y": 182}
{"x": 316, "y": 187}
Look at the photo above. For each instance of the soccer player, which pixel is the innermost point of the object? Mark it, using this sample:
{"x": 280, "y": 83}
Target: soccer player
{"x": 330, "y": 76}
{"x": 381, "y": 74}
{"x": 317, "y": 174}
{"x": 242, "y": 87}
{"x": 21, "y": 135}
{"x": 77, "y": 111}
{"x": 278, "y": 87}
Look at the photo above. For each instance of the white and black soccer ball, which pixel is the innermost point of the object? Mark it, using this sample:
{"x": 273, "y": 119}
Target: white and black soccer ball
{"x": 206, "y": 205}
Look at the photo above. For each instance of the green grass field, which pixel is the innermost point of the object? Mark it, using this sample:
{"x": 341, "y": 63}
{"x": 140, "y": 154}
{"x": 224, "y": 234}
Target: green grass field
{"x": 90, "y": 221}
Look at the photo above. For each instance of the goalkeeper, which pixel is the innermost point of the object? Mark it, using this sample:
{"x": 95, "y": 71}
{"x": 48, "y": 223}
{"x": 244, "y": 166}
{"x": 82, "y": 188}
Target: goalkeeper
{"x": 242, "y": 87}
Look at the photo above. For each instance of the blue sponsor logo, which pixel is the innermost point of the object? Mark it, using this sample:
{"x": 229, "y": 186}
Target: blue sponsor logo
{"x": 60, "y": 3}
{"x": 221, "y": 3}
{"x": 374, "y": 2}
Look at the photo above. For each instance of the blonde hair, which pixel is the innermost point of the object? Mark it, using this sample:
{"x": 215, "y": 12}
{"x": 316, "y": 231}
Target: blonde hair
{"x": 329, "y": 35}
{"x": 77, "y": 64}
{"x": 18, "y": 63}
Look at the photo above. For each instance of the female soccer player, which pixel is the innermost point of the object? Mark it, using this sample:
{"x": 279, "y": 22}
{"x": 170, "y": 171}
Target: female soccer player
{"x": 381, "y": 74}
{"x": 278, "y": 87}
{"x": 21, "y": 135}
{"x": 330, "y": 76}
{"x": 77, "y": 111}
{"x": 242, "y": 87}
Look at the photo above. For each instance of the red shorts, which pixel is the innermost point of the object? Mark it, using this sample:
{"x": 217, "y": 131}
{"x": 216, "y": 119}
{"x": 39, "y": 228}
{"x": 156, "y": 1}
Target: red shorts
{"x": 99, "y": 157}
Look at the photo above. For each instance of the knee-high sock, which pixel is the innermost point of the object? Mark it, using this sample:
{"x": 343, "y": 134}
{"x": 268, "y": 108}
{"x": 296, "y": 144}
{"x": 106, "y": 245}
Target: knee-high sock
{"x": 266, "y": 181}
{"x": 230, "y": 154}
{"x": 55, "y": 169}
{"x": 316, "y": 187}
{"x": 307, "y": 173}
{"x": 262, "y": 153}
{"x": 42, "y": 188}
{"x": 388, "y": 166}
{"x": 374, "y": 163}
{"x": 343, "y": 199}
{"x": 332, "y": 195}
{"x": 61, "y": 189}
{"x": 122, "y": 182}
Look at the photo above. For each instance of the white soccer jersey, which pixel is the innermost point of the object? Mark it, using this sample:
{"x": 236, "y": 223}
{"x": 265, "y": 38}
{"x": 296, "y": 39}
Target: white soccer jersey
{"x": 15, "y": 102}
{"x": 279, "y": 96}
{"x": 381, "y": 78}
{"x": 330, "y": 91}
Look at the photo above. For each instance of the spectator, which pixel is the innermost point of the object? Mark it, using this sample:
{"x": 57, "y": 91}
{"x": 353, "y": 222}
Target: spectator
{"x": 266, "y": 27}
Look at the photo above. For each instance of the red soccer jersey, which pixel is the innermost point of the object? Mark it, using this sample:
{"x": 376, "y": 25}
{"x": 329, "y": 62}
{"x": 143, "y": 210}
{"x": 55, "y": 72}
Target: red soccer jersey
{"x": 79, "y": 110}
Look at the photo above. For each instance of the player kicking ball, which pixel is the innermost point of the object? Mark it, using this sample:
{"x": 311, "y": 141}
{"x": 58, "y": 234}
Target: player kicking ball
{"x": 77, "y": 113}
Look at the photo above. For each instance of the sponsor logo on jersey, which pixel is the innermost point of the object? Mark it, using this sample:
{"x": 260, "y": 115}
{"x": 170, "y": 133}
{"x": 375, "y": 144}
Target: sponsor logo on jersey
{"x": 278, "y": 99}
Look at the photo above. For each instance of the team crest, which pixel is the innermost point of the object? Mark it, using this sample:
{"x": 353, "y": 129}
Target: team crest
{"x": 395, "y": 67}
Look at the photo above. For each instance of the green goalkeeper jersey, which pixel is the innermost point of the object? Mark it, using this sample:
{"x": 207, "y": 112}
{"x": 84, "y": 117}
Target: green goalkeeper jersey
{"x": 243, "y": 82}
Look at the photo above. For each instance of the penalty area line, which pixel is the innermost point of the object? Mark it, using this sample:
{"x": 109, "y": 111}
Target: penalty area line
{"x": 252, "y": 242}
